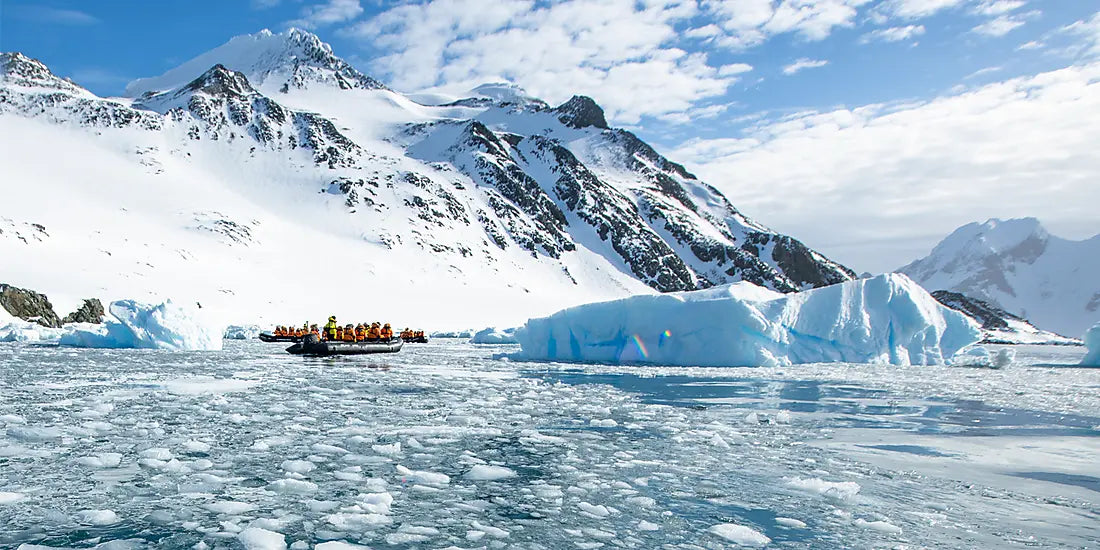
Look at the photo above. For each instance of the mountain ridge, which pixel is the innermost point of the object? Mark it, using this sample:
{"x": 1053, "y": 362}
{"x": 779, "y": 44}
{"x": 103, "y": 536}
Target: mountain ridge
{"x": 590, "y": 206}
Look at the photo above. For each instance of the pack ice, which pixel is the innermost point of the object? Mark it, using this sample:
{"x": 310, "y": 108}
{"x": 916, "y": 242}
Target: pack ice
{"x": 885, "y": 319}
{"x": 169, "y": 326}
{"x": 1092, "y": 341}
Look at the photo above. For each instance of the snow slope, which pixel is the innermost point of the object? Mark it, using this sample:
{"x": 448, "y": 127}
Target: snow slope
{"x": 1020, "y": 267}
{"x": 885, "y": 319}
{"x": 998, "y": 325}
{"x": 269, "y": 181}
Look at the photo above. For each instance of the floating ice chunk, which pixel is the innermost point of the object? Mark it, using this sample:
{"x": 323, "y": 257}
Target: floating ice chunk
{"x": 12, "y": 419}
{"x": 392, "y": 449}
{"x": 157, "y": 453}
{"x": 14, "y": 329}
{"x": 494, "y": 532}
{"x": 752, "y": 418}
{"x": 837, "y": 490}
{"x": 135, "y": 325}
{"x": 298, "y": 466}
{"x": 884, "y": 319}
{"x": 349, "y": 521}
{"x": 98, "y": 517}
{"x": 193, "y": 446}
{"x": 241, "y": 332}
{"x": 641, "y": 502}
{"x": 1003, "y": 358}
{"x": 782, "y": 417}
{"x": 229, "y": 507}
{"x": 339, "y": 545}
{"x": 431, "y": 479}
{"x": 739, "y": 534}
{"x": 980, "y": 356}
{"x": 485, "y": 472}
{"x": 594, "y": 510}
{"x": 647, "y": 526}
{"x": 255, "y": 538}
{"x": 880, "y": 526}
{"x": 101, "y": 460}
{"x": 790, "y": 522}
{"x": 604, "y": 423}
{"x": 8, "y": 497}
{"x": 494, "y": 336}
{"x": 1092, "y": 341}
{"x": 292, "y": 486}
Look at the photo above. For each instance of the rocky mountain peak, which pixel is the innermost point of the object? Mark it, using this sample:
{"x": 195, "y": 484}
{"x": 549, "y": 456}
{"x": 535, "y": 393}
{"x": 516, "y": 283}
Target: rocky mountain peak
{"x": 219, "y": 81}
{"x": 581, "y": 112}
{"x": 280, "y": 61}
{"x": 20, "y": 70}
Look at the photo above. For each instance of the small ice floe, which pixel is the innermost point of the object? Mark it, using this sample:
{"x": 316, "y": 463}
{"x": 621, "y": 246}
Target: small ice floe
{"x": 1092, "y": 343}
{"x": 9, "y": 497}
{"x": 494, "y": 532}
{"x": 393, "y": 449}
{"x": 101, "y": 460}
{"x": 255, "y": 538}
{"x": 843, "y": 491}
{"x": 752, "y": 418}
{"x": 229, "y": 507}
{"x": 431, "y": 479}
{"x": 782, "y": 417}
{"x": 298, "y": 466}
{"x": 241, "y": 332}
{"x": 357, "y": 522}
{"x": 338, "y": 545}
{"x": 492, "y": 335}
{"x": 597, "y": 511}
{"x": 604, "y": 423}
{"x": 739, "y": 534}
{"x": 880, "y": 526}
{"x": 98, "y": 517}
{"x": 292, "y": 487}
{"x": 790, "y": 522}
{"x": 980, "y": 356}
{"x": 647, "y": 526}
{"x": 485, "y": 472}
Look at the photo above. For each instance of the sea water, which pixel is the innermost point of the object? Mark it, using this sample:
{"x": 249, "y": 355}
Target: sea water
{"x": 450, "y": 444}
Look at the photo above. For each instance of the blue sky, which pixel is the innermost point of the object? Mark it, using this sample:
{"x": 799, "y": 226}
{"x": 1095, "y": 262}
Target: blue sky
{"x": 760, "y": 97}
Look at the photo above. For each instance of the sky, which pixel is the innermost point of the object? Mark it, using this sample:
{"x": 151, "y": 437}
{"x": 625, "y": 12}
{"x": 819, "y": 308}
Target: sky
{"x": 868, "y": 129}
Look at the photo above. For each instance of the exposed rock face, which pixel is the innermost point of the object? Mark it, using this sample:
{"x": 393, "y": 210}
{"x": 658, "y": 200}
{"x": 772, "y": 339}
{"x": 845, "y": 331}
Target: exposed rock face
{"x": 581, "y": 112}
{"x": 998, "y": 325}
{"x": 90, "y": 312}
{"x": 28, "y": 305}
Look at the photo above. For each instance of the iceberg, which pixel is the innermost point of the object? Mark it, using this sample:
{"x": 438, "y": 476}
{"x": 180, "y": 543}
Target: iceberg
{"x": 493, "y": 335}
{"x": 241, "y": 332}
{"x": 1092, "y": 342}
{"x": 166, "y": 326}
{"x": 14, "y": 329}
{"x": 883, "y": 319}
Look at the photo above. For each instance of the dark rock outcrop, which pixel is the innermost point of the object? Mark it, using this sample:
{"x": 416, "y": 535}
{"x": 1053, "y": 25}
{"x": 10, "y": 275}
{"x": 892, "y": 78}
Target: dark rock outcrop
{"x": 990, "y": 316}
{"x": 28, "y": 305}
{"x": 581, "y": 112}
{"x": 90, "y": 312}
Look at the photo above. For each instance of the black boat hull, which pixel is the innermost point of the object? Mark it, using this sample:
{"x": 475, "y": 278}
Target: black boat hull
{"x": 315, "y": 347}
{"x": 418, "y": 340}
{"x": 268, "y": 337}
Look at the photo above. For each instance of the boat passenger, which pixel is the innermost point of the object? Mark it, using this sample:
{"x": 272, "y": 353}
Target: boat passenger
{"x": 349, "y": 333}
{"x": 387, "y": 332}
{"x": 375, "y": 332}
{"x": 330, "y": 328}
{"x": 360, "y": 332}
{"x": 314, "y": 330}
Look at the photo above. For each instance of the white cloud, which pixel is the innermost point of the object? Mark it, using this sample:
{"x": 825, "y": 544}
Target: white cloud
{"x": 734, "y": 68}
{"x": 1087, "y": 36}
{"x": 998, "y": 7}
{"x": 913, "y": 9}
{"x": 621, "y": 52}
{"x": 747, "y": 23}
{"x": 53, "y": 15}
{"x": 333, "y": 11}
{"x": 804, "y": 63}
{"x": 893, "y": 34}
{"x": 877, "y": 186}
{"x": 1003, "y": 24}
{"x": 264, "y": 4}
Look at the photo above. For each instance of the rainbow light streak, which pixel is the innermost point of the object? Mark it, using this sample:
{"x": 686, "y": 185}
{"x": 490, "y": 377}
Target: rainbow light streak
{"x": 641, "y": 347}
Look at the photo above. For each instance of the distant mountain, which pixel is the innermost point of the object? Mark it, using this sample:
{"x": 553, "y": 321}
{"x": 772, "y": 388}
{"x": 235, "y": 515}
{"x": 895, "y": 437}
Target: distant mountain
{"x": 998, "y": 325}
{"x": 1019, "y": 267}
{"x": 281, "y": 159}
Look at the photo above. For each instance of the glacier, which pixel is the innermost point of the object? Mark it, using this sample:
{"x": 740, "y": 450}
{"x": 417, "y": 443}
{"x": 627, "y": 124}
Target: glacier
{"x": 1092, "y": 341}
{"x": 884, "y": 319}
{"x": 168, "y": 326}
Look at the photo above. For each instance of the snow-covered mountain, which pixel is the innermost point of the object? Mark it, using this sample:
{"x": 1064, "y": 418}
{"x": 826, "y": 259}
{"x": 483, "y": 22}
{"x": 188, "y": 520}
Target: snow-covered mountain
{"x": 269, "y": 176}
{"x": 998, "y": 325}
{"x": 1020, "y": 267}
